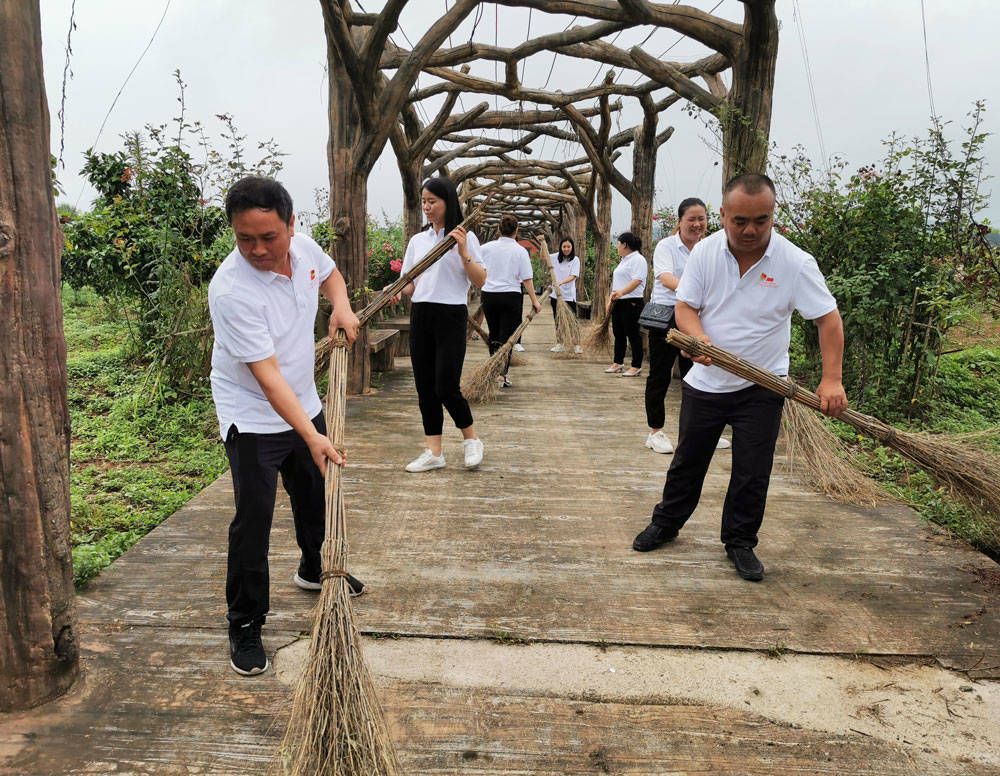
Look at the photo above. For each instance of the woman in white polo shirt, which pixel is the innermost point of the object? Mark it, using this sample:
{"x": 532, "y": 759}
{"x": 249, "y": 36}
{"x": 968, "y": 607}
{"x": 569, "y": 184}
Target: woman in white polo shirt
{"x": 438, "y": 318}
{"x": 566, "y": 265}
{"x": 627, "y": 285}
{"x": 669, "y": 258}
{"x": 508, "y": 267}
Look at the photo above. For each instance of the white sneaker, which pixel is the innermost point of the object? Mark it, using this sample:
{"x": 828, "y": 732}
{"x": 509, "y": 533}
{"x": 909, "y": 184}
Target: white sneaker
{"x": 425, "y": 462}
{"x": 519, "y": 347}
{"x": 722, "y": 444}
{"x": 473, "y": 449}
{"x": 577, "y": 349}
{"x": 557, "y": 349}
{"x": 659, "y": 442}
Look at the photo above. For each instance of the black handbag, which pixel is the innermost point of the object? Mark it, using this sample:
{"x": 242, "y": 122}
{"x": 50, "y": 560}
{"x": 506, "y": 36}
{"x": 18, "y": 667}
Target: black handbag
{"x": 656, "y": 317}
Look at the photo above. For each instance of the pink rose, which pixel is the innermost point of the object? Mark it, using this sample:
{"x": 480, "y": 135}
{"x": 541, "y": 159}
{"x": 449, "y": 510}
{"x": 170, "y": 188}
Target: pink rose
{"x": 396, "y": 265}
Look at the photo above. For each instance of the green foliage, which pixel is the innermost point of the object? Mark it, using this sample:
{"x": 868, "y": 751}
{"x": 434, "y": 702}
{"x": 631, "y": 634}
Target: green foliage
{"x": 890, "y": 239}
{"x": 155, "y": 235}
{"x": 132, "y": 463}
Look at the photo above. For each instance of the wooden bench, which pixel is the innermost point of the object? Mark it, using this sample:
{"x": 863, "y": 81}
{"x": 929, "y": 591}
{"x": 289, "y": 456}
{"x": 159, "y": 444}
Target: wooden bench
{"x": 382, "y": 349}
{"x": 402, "y": 325}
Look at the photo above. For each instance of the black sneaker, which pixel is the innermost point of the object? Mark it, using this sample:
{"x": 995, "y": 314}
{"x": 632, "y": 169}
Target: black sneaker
{"x": 306, "y": 582}
{"x": 652, "y": 536}
{"x": 746, "y": 562}
{"x": 246, "y": 652}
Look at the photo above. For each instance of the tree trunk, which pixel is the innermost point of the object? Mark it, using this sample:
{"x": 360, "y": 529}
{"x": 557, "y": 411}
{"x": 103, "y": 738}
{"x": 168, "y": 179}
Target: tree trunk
{"x": 349, "y": 207}
{"x": 644, "y": 180}
{"x": 602, "y": 244}
{"x": 580, "y": 238}
{"x": 746, "y": 116}
{"x": 38, "y": 649}
{"x": 413, "y": 215}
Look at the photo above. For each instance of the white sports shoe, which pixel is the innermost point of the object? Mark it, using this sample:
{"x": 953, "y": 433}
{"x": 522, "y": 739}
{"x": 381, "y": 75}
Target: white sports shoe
{"x": 425, "y": 462}
{"x": 577, "y": 349}
{"x": 722, "y": 444}
{"x": 557, "y": 349}
{"x": 659, "y": 442}
{"x": 519, "y": 347}
{"x": 473, "y": 449}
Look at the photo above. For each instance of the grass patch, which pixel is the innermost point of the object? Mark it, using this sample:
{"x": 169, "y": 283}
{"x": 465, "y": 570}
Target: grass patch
{"x": 967, "y": 405}
{"x": 132, "y": 462}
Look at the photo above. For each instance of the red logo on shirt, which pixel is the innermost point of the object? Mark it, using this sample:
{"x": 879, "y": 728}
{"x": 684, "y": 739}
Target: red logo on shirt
{"x": 312, "y": 274}
{"x": 767, "y": 281}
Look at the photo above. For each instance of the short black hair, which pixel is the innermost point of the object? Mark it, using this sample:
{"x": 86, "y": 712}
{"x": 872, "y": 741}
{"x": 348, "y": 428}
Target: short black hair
{"x": 255, "y": 191}
{"x": 630, "y": 241}
{"x": 508, "y": 225}
{"x": 444, "y": 188}
{"x": 750, "y": 182}
{"x": 687, "y": 203}
{"x": 572, "y": 253}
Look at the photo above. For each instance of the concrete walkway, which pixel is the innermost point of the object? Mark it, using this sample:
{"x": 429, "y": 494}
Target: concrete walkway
{"x": 513, "y": 630}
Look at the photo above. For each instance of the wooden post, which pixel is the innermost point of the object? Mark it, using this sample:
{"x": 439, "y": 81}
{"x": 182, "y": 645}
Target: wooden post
{"x": 38, "y": 647}
{"x": 602, "y": 275}
{"x": 349, "y": 204}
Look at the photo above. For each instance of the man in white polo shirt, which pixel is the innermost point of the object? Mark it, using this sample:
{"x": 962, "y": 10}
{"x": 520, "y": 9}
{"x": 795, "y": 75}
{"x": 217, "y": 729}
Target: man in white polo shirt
{"x": 263, "y": 300}
{"x": 738, "y": 292}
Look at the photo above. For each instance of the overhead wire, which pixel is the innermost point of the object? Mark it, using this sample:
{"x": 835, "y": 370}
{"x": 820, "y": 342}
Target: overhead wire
{"x": 67, "y": 74}
{"x": 800, "y": 26}
{"x": 927, "y": 60}
{"x": 679, "y": 39}
{"x": 124, "y": 84}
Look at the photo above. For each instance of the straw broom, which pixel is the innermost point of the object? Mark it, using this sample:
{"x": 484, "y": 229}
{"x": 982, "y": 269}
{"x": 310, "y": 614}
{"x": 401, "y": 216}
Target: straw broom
{"x": 567, "y": 325}
{"x": 337, "y": 726}
{"x": 597, "y": 338}
{"x": 481, "y": 385}
{"x": 973, "y": 476}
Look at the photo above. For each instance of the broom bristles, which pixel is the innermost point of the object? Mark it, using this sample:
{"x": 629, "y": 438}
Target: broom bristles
{"x": 972, "y": 476}
{"x": 481, "y": 386}
{"x": 822, "y": 458}
{"x": 597, "y": 338}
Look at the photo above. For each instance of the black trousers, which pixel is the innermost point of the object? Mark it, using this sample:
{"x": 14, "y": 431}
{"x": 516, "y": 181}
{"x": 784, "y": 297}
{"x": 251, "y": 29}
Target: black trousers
{"x": 661, "y": 362}
{"x": 255, "y": 461}
{"x": 503, "y": 316}
{"x": 755, "y": 416}
{"x": 437, "y": 352}
{"x": 625, "y": 327}
{"x": 555, "y": 302}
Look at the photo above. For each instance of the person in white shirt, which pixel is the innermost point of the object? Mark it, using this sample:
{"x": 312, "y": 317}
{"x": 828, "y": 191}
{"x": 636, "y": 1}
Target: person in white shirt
{"x": 738, "y": 292}
{"x": 438, "y": 320}
{"x": 628, "y": 282}
{"x": 669, "y": 258}
{"x": 566, "y": 265}
{"x": 263, "y": 302}
{"x": 508, "y": 267}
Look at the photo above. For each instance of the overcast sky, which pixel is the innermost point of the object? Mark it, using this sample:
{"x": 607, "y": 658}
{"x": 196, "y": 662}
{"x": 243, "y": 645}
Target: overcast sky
{"x": 265, "y": 64}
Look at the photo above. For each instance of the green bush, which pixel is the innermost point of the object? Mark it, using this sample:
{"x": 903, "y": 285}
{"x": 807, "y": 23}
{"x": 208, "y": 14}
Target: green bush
{"x": 887, "y": 237}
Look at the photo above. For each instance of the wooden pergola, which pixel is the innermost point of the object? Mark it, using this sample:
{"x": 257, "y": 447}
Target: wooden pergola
{"x": 375, "y": 99}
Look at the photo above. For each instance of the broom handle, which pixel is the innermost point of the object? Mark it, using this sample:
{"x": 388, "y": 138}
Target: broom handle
{"x": 748, "y": 370}
{"x": 479, "y": 330}
{"x": 334, "y": 549}
{"x": 524, "y": 324}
